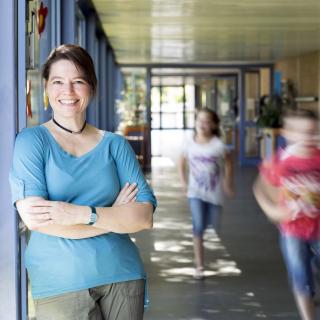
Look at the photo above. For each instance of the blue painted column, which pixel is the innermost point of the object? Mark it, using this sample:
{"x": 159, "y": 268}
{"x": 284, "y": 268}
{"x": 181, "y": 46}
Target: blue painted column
{"x": 8, "y": 112}
{"x": 91, "y": 46}
{"x": 102, "y": 88}
{"x": 68, "y": 21}
{"x": 119, "y": 83}
{"x": 242, "y": 116}
{"x": 96, "y": 101}
{"x": 277, "y": 83}
{"x": 55, "y": 21}
{"x": 111, "y": 95}
{"x": 148, "y": 104}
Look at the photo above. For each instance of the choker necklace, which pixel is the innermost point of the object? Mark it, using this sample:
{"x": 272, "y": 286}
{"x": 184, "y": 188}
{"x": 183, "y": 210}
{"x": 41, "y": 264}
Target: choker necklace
{"x": 68, "y": 130}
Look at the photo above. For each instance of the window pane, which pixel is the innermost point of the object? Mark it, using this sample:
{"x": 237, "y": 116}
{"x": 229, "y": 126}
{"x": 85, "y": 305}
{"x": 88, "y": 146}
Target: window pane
{"x": 155, "y": 99}
{"x": 190, "y": 119}
{"x": 172, "y": 99}
{"x": 155, "y": 120}
{"x": 190, "y": 99}
{"x": 172, "y": 120}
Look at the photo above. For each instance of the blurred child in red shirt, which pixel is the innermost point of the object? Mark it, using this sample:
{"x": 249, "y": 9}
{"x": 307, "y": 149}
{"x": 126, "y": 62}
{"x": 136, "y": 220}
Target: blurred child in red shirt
{"x": 288, "y": 191}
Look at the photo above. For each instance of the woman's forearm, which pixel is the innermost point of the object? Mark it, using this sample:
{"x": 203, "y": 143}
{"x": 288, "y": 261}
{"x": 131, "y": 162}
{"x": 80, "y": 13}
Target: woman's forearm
{"x": 68, "y": 220}
{"x": 72, "y": 232}
{"x": 129, "y": 218}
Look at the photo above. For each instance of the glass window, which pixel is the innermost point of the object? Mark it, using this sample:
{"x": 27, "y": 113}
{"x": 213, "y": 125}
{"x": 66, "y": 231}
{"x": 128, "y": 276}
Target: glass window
{"x": 155, "y": 120}
{"x": 155, "y": 99}
{"x": 190, "y": 119}
{"x": 132, "y": 104}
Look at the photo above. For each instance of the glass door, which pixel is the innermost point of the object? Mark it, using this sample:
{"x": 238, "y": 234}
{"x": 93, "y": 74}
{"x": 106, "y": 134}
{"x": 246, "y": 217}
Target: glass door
{"x": 255, "y": 84}
{"x": 225, "y": 103}
{"x": 172, "y": 111}
{"x": 252, "y": 95}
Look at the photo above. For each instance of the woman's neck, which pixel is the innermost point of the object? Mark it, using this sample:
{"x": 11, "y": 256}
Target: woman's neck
{"x": 75, "y": 126}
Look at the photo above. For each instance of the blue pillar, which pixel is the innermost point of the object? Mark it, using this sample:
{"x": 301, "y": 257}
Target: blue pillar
{"x": 111, "y": 86}
{"x": 96, "y": 102}
{"x": 119, "y": 83}
{"x": 8, "y": 95}
{"x": 68, "y": 21}
{"x": 148, "y": 104}
{"x": 277, "y": 83}
{"x": 242, "y": 116}
{"x": 103, "y": 84}
{"x": 91, "y": 46}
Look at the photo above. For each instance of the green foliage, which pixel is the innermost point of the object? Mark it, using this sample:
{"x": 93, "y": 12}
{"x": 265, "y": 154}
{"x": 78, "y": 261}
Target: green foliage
{"x": 270, "y": 112}
{"x": 131, "y": 107}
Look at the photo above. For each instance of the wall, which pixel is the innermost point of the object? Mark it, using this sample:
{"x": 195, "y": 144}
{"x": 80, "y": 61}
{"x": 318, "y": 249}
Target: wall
{"x": 304, "y": 71}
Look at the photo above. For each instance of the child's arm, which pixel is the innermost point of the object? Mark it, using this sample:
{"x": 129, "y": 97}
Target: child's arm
{"x": 228, "y": 175}
{"x": 182, "y": 167}
{"x": 268, "y": 198}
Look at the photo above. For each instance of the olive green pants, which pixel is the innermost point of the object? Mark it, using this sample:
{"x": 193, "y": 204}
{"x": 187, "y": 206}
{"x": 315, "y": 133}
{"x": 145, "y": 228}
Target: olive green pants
{"x": 117, "y": 301}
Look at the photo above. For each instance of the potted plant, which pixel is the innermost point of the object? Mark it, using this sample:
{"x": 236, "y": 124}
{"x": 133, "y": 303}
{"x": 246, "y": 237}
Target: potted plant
{"x": 131, "y": 106}
{"x": 270, "y": 112}
{"x": 269, "y": 124}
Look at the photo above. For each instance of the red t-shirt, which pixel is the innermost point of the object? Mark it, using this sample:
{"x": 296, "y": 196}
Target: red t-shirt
{"x": 299, "y": 182}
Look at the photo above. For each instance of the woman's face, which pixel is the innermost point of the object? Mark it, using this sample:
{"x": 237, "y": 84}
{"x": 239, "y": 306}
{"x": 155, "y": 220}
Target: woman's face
{"x": 69, "y": 94}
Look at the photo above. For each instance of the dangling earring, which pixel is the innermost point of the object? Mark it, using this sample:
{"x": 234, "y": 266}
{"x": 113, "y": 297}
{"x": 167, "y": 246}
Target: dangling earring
{"x": 45, "y": 100}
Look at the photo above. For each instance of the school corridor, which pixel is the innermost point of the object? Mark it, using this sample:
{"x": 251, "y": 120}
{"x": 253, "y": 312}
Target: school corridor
{"x": 245, "y": 275}
{"x": 158, "y": 62}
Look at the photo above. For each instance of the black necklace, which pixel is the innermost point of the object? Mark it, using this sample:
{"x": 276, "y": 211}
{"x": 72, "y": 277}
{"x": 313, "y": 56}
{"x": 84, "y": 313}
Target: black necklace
{"x": 70, "y": 131}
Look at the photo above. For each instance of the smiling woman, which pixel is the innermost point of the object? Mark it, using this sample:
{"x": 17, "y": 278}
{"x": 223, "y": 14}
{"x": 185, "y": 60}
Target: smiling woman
{"x": 70, "y": 82}
{"x": 80, "y": 191}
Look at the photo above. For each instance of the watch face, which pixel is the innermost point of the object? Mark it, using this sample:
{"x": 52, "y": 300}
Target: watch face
{"x": 93, "y": 218}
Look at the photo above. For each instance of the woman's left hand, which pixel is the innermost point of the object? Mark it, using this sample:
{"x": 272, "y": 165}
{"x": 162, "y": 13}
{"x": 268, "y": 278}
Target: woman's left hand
{"x": 127, "y": 194}
{"x": 61, "y": 213}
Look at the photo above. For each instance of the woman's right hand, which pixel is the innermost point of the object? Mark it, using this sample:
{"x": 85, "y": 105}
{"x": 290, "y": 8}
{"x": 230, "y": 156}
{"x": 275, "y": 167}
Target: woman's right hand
{"x": 127, "y": 194}
{"x": 31, "y": 218}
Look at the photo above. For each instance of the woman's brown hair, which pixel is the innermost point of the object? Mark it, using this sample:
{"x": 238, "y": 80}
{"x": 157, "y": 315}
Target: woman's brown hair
{"x": 79, "y": 56}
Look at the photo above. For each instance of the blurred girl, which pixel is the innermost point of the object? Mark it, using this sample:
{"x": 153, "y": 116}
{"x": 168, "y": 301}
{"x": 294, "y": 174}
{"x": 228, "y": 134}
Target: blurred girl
{"x": 207, "y": 158}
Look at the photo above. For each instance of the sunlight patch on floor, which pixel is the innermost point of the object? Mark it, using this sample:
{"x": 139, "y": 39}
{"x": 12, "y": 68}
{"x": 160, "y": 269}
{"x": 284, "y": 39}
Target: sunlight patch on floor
{"x": 169, "y": 224}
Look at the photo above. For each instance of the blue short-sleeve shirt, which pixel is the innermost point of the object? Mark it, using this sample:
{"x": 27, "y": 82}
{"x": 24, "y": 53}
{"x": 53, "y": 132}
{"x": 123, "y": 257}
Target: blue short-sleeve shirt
{"x": 42, "y": 168}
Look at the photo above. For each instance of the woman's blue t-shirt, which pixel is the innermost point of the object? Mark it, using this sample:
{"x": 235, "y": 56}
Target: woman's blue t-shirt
{"x": 42, "y": 168}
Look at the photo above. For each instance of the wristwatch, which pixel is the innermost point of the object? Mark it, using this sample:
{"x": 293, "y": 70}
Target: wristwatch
{"x": 93, "y": 216}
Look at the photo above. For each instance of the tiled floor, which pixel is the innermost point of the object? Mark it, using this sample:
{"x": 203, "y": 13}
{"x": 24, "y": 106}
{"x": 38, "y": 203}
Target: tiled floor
{"x": 245, "y": 276}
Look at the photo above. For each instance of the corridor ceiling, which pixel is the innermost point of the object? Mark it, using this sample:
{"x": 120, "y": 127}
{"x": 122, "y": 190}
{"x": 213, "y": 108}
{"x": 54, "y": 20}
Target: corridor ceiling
{"x": 209, "y": 31}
